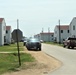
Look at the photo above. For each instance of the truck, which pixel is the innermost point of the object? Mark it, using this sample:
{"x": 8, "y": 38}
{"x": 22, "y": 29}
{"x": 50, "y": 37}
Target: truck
{"x": 70, "y": 42}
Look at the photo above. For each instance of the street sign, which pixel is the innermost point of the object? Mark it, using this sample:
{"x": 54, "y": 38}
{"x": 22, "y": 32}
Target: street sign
{"x": 19, "y": 34}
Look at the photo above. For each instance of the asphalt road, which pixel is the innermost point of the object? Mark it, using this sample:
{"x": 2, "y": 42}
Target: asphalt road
{"x": 66, "y": 56}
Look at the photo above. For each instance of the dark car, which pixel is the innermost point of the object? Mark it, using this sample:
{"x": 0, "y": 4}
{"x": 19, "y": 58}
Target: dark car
{"x": 33, "y": 43}
{"x": 70, "y": 42}
{"x": 24, "y": 42}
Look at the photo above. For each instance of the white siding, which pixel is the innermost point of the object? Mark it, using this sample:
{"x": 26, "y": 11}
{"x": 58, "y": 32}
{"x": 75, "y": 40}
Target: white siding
{"x": 46, "y": 37}
{"x": 56, "y": 34}
{"x": 72, "y": 31}
{"x": 63, "y": 35}
{"x": 2, "y": 32}
{"x": 8, "y": 36}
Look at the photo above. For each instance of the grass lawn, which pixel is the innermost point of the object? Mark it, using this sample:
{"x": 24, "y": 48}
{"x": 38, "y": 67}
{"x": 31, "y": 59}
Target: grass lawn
{"x": 9, "y": 61}
{"x": 11, "y": 47}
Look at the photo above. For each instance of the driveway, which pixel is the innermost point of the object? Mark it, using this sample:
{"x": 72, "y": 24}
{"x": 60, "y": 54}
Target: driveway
{"x": 66, "y": 56}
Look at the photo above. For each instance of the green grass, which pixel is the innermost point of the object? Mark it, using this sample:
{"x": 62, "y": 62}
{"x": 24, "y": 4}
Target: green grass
{"x": 11, "y": 47}
{"x": 14, "y": 45}
{"x": 9, "y": 62}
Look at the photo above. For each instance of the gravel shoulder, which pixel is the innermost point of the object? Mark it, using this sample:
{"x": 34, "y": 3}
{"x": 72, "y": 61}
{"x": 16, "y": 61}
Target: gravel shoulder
{"x": 43, "y": 65}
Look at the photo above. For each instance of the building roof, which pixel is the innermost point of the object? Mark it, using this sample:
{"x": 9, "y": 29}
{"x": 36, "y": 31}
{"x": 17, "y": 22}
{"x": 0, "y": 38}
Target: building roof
{"x": 47, "y": 33}
{"x": 8, "y": 27}
{"x": 1, "y": 19}
{"x": 63, "y": 27}
{"x": 73, "y": 20}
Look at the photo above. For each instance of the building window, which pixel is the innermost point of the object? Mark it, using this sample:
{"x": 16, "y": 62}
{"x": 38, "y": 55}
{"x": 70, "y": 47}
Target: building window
{"x": 52, "y": 38}
{"x": 68, "y": 31}
{"x": 61, "y": 31}
{"x": 4, "y": 38}
{"x": 73, "y": 27}
{"x": 52, "y": 35}
{"x": 6, "y": 31}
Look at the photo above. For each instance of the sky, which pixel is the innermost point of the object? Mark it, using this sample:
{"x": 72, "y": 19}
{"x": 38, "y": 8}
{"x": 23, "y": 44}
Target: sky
{"x": 35, "y": 15}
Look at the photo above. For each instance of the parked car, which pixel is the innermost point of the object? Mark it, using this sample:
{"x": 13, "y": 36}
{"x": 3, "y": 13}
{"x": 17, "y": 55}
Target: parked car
{"x": 24, "y": 42}
{"x": 33, "y": 43}
{"x": 70, "y": 42}
{"x": 41, "y": 41}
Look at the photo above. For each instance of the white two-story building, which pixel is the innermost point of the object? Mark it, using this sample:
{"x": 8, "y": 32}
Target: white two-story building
{"x": 8, "y": 35}
{"x": 72, "y": 27}
{"x": 45, "y": 36}
{"x": 61, "y": 33}
{"x": 2, "y": 31}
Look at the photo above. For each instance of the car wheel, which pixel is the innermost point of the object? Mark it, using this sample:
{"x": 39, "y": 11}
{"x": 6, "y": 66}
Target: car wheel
{"x": 64, "y": 46}
{"x": 72, "y": 47}
{"x": 39, "y": 49}
{"x": 68, "y": 47}
{"x": 24, "y": 44}
{"x": 28, "y": 48}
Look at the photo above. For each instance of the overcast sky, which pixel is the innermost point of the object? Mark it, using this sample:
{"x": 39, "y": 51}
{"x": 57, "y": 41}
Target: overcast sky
{"x": 34, "y": 15}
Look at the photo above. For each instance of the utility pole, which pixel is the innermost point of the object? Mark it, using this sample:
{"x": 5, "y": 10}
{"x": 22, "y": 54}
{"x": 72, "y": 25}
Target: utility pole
{"x": 59, "y": 33}
{"x": 18, "y": 42}
{"x": 42, "y": 30}
{"x": 48, "y": 34}
{"x": 48, "y": 29}
{"x": 42, "y": 38}
{"x": 17, "y": 24}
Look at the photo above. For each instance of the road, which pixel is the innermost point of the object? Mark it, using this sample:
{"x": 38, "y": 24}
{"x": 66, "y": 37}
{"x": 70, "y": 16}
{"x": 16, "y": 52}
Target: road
{"x": 66, "y": 56}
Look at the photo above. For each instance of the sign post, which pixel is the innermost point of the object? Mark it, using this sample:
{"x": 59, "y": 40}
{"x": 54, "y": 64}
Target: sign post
{"x": 17, "y": 36}
{"x": 18, "y": 43}
{"x": 18, "y": 48}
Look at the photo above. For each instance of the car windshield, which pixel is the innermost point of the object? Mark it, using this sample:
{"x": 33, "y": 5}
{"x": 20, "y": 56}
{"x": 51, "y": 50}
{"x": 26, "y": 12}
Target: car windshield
{"x": 33, "y": 40}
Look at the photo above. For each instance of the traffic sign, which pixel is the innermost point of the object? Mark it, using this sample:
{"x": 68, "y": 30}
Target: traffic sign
{"x": 17, "y": 33}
